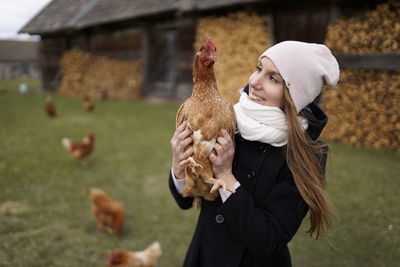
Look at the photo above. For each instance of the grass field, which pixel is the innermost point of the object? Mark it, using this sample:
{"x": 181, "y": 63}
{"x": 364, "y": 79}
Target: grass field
{"x": 45, "y": 217}
{"x": 12, "y": 85}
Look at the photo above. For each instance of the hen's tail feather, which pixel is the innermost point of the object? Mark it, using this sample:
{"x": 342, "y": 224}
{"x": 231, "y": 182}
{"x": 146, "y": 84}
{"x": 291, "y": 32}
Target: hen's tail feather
{"x": 197, "y": 202}
{"x": 66, "y": 143}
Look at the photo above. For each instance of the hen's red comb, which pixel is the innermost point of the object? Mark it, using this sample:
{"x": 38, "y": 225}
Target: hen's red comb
{"x": 211, "y": 46}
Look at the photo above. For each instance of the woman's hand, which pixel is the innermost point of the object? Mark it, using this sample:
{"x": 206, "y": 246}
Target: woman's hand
{"x": 180, "y": 140}
{"x": 222, "y": 158}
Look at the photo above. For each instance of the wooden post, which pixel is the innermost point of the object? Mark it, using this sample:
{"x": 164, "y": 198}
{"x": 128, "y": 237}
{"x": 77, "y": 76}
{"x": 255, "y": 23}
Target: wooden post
{"x": 270, "y": 29}
{"x": 383, "y": 61}
{"x": 144, "y": 48}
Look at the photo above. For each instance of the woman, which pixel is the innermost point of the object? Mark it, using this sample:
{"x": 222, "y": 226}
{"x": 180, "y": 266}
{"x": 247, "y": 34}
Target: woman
{"x": 275, "y": 164}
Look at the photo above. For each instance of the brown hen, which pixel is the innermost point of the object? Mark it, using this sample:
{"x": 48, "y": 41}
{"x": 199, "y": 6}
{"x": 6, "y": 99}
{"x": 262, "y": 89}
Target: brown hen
{"x": 109, "y": 212}
{"x": 145, "y": 258}
{"x": 50, "y": 108}
{"x": 81, "y": 149}
{"x": 207, "y": 113}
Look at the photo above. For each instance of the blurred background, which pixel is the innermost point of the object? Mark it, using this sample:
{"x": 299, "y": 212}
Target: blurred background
{"x": 120, "y": 69}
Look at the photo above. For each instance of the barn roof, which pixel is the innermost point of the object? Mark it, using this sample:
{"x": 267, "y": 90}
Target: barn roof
{"x": 61, "y": 15}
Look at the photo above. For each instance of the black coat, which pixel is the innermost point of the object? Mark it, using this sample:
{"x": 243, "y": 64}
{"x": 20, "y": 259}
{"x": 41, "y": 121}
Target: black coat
{"x": 253, "y": 226}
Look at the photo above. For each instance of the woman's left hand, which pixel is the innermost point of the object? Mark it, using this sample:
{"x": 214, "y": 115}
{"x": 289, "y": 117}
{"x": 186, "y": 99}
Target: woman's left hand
{"x": 222, "y": 158}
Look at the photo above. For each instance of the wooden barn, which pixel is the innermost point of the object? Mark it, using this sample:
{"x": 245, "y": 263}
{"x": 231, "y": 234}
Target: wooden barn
{"x": 18, "y": 59}
{"x": 160, "y": 34}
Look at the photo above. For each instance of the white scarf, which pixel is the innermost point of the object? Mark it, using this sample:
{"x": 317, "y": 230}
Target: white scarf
{"x": 262, "y": 123}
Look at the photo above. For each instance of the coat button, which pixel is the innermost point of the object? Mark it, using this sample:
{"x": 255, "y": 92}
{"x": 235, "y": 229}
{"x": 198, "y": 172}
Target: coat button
{"x": 219, "y": 218}
{"x": 262, "y": 149}
{"x": 251, "y": 174}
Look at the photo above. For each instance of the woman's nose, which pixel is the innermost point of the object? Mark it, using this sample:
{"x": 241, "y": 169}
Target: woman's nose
{"x": 255, "y": 82}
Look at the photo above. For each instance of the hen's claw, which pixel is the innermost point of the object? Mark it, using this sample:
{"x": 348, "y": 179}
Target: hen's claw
{"x": 191, "y": 163}
{"x": 217, "y": 183}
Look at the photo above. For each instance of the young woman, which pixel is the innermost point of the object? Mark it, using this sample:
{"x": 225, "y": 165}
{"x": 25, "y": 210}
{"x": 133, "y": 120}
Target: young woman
{"x": 275, "y": 164}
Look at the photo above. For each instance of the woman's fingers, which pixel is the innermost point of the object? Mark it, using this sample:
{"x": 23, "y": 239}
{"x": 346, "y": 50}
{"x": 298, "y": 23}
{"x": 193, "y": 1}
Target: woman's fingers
{"x": 219, "y": 149}
{"x": 222, "y": 141}
{"x": 226, "y": 136}
{"x": 213, "y": 158}
{"x": 188, "y": 153}
{"x": 183, "y": 135}
{"x": 182, "y": 126}
{"x": 182, "y": 145}
{"x": 180, "y": 129}
{"x": 225, "y": 140}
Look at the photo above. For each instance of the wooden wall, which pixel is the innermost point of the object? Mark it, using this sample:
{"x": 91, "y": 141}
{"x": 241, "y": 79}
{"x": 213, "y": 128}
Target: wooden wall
{"x": 50, "y": 52}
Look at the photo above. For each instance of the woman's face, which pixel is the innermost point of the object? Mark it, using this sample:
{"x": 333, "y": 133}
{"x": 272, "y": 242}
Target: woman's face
{"x": 266, "y": 84}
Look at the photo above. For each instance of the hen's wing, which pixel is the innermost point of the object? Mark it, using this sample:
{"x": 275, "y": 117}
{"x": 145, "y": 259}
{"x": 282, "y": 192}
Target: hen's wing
{"x": 180, "y": 115}
{"x": 108, "y": 207}
{"x": 232, "y": 121}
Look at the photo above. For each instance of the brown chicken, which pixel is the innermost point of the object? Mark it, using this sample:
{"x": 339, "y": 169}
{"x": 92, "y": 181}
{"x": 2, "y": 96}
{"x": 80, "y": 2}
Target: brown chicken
{"x": 145, "y": 258}
{"x": 109, "y": 213}
{"x": 207, "y": 113}
{"x": 87, "y": 103}
{"x": 50, "y": 108}
{"x": 81, "y": 149}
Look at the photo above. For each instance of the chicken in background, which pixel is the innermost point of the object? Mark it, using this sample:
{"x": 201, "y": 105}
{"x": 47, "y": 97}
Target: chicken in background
{"x": 109, "y": 212}
{"x": 145, "y": 258}
{"x": 81, "y": 149}
{"x": 207, "y": 113}
{"x": 87, "y": 103}
{"x": 50, "y": 107}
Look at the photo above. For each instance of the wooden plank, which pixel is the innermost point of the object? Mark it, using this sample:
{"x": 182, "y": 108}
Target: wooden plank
{"x": 382, "y": 61}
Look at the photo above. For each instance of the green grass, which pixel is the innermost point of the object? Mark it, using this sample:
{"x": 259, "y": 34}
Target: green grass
{"x": 12, "y": 85}
{"x": 52, "y": 224}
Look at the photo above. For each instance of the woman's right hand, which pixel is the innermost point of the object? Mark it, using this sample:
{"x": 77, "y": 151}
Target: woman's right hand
{"x": 179, "y": 142}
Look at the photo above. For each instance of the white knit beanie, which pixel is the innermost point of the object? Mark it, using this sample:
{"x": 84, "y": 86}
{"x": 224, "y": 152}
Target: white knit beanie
{"x": 305, "y": 67}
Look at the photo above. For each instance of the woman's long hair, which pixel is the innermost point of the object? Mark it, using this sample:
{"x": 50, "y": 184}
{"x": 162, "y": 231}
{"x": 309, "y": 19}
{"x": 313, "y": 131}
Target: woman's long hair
{"x": 303, "y": 158}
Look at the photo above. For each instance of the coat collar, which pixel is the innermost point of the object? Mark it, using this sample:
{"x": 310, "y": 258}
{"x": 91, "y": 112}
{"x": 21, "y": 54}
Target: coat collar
{"x": 316, "y": 120}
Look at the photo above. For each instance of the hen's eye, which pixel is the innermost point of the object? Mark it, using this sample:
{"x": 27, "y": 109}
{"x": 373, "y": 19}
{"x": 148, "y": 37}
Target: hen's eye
{"x": 258, "y": 68}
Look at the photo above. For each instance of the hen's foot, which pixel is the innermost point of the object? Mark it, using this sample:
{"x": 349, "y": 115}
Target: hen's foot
{"x": 105, "y": 228}
{"x": 217, "y": 183}
{"x": 191, "y": 163}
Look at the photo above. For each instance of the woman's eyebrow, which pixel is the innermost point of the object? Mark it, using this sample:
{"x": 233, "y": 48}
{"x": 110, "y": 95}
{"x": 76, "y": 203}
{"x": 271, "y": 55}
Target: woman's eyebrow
{"x": 275, "y": 73}
{"x": 271, "y": 72}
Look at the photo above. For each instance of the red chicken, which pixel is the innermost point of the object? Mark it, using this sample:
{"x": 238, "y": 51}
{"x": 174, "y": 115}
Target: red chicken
{"x": 81, "y": 149}
{"x": 207, "y": 113}
{"x": 145, "y": 258}
{"x": 109, "y": 212}
{"x": 50, "y": 108}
